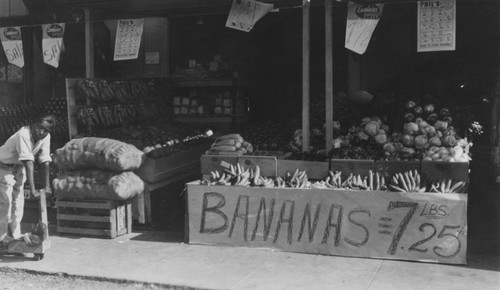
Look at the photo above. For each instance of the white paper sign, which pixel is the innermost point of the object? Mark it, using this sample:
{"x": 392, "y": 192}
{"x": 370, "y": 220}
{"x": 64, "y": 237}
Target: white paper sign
{"x": 245, "y": 13}
{"x": 377, "y": 224}
{"x": 128, "y": 38}
{"x": 12, "y": 45}
{"x": 52, "y": 42}
{"x": 361, "y": 22}
{"x": 436, "y": 25}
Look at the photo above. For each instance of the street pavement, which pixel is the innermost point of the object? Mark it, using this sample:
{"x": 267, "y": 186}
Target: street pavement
{"x": 162, "y": 257}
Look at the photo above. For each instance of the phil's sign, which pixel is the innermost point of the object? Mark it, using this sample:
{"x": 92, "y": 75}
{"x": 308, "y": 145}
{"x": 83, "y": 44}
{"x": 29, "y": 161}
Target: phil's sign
{"x": 409, "y": 226}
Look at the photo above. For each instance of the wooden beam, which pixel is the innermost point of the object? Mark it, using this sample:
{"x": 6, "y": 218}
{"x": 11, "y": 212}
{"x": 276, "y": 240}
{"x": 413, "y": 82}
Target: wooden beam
{"x": 328, "y": 75}
{"x": 305, "y": 74}
{"x": 89, "y": 45}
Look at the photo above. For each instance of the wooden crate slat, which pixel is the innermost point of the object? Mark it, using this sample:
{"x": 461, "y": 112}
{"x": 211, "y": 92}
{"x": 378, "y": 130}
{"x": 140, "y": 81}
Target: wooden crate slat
{"x": 84, "y": 231}
{"x": 83, "y": 218}
{"x": 86, "y": 204}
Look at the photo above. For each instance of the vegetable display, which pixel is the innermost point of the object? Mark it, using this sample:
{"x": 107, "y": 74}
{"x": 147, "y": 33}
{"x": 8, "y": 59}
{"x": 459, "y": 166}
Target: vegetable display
{"x": 230, "y": 144}
{"x": 408, "y": 181}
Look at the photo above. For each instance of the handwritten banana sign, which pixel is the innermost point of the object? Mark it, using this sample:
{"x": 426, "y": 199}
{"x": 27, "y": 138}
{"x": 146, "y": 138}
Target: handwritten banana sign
{"x": 376, "y": 224}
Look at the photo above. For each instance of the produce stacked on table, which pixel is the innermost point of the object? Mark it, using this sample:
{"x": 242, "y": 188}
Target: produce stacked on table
{"x": 270, "y": 136}
{"x": 427, "y": 135}
{"x": 157, "y": 142}
{"x": 230, "y": 144}
{"x": 408, "y": 181}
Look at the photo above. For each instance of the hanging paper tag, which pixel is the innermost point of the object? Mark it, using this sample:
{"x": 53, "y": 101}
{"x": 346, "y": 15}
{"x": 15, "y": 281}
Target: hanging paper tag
{"x": 436, "y": 25}
{"x": 245, "y": 13}
{"x": 13, "y": 45}
{"x": 128, "y": 38}
{"x": 52, "y": 43}
{"x": 361, "y": 22}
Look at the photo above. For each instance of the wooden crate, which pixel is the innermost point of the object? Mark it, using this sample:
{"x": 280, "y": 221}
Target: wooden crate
{"x": 211, "y": 163}
{"x": 314, "y": 169}
{"x": 348, "y": 166}
{"x": 389, "y": 168}
{"x": 154, "y": 170}
{"x": 101, "y": 218}
{"x": 434, "y": 170}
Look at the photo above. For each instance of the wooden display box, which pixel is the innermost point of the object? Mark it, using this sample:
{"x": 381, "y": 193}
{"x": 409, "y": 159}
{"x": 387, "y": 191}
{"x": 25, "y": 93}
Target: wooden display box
{"x": 348, "y": 166}
{"x": 435, "y": 170}
{"x": 314, "y": 169}
{"x": 100, "y": 218}
{"x": 211, "y": 163}
{"x": 389, "y": 168}
{"x": 267, "y": 161}
{"x": 153, "y": 170}
{"x": 375, "y": 224}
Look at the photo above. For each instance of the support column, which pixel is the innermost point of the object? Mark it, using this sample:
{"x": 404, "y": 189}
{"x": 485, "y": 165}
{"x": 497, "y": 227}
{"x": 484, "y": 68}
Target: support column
{"x": 328, "y": 75}
{"x": 305, "y": 74}
{"x": 89, "y": 45}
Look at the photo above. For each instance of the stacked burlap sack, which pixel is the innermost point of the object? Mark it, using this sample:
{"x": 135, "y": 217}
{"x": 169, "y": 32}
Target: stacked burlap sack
{"x": 97, "y": 168}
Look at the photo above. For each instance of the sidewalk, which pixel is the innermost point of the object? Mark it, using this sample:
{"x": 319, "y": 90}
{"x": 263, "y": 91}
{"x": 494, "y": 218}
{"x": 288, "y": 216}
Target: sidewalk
{"x": 162, "y": 257}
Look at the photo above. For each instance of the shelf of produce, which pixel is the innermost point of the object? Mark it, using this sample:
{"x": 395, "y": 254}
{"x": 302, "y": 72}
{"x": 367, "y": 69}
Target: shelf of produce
{"x": 375, "y": 224}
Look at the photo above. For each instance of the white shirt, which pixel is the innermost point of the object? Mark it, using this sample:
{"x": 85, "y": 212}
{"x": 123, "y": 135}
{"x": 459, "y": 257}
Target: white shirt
{"x": 20, "y": 147}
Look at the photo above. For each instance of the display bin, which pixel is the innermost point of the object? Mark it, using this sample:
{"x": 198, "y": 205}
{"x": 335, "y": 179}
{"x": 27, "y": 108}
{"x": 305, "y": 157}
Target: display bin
{"x": 314, "y": 169}
{"x": 374, "y": 224}
{"x": 434, "y": 170}
{"x": 100, "y": 218}
{"x": 354, "y": 166}
{"x": 156, "y": 169}
{"x": 389, "y": 168}
{"x": 211, "y": 163}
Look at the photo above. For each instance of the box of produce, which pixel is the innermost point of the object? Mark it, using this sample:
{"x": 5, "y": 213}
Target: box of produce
{"x": 390, "y": 167}
{"x": 347, "y": 166}
{"x": 359, "y": 216}
{"x": 315, "y": 169}
{"x": 266, "y": 160}
{"x": 210, "y": 163}
{"x": 157, "y": 169}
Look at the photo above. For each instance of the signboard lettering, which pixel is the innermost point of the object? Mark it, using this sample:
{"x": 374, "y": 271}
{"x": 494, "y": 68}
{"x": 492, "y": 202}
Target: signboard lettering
{"x": 429, "y": 227}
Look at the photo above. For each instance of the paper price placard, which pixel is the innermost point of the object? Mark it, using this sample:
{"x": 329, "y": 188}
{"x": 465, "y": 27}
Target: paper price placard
{"x": 436, "y": 25}
{"x": 245, "y": 13}
{"x": 361, "y": 22}
{"x": 128, "y": 38}
{"x": 52, "y": 42}
{"x": 12, "y": 45}
{"x": 377, "y": 224}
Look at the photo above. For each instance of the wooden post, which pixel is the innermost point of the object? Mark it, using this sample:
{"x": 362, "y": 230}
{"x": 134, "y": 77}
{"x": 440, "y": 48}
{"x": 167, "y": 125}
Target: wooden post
{"x": 305, "y": 75}
{"x": 329, "y": 75}
{"x": 89, "y": 45}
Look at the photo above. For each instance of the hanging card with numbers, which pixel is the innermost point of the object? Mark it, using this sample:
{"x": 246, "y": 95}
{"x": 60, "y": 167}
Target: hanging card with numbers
{"x": 128, "y": 38}
{"x": 436, "y": 25}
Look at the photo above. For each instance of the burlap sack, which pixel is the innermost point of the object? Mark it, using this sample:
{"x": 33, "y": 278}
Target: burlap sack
{"x": 97, "y": 184}
{"x": 101, "y": 153}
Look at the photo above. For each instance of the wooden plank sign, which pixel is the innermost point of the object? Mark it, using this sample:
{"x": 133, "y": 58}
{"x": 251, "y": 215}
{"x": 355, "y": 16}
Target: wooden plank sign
{"x": 427, "y": 227}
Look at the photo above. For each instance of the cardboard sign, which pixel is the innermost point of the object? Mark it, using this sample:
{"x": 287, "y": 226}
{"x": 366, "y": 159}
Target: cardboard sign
{"x": 128, "y": 39}
{"x": 52, "y": 42}
{"x": 12, "y": 45}
{"x": 436, "y": 25}
{"x": 389, "y": 225}
{"x": 361, "y": 22}
{"x": 245, "y": 13}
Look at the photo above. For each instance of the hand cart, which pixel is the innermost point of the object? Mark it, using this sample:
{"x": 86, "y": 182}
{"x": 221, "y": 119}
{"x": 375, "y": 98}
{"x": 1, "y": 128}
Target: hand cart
{"x": 19, "y": 246}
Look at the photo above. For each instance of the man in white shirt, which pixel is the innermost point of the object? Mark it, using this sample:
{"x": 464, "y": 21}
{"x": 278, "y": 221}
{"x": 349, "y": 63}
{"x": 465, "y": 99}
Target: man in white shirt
{"x": 17, "y": 158}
